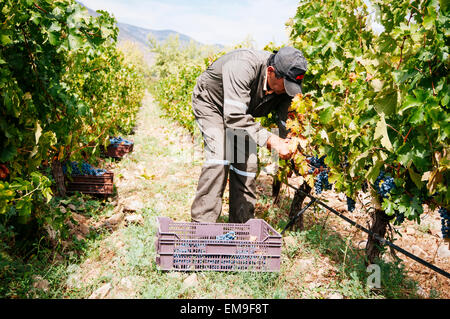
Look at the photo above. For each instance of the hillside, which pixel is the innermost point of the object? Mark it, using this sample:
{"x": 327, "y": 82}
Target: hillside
{"x": 140, "y": 35}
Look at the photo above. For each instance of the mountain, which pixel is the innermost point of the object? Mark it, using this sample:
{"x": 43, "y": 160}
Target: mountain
{"x": 140, "y": 35}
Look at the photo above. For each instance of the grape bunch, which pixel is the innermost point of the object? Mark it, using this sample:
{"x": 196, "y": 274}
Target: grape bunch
{"x": 231, "y": 235}
{"x": 445, "y": 222}
{"x": 86, "y": 169}
{"x": 316, "y": 162}
{"x": 89, "y": 170}
{"x": 321, "y": 182}
{"x": 350, "y": 204}
{"x": 116, "y": 141}
{"x": 384, "y": 184}
{"x": 399, "y": 218}
{"x": 345, "y": 163}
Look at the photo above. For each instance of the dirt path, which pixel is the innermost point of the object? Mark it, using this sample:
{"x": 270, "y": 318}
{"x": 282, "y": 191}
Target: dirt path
{"x": 159, "y": 179}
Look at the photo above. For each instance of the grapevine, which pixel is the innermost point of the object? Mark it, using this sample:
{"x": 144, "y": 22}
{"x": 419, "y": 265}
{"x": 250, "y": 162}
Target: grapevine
{"x": 65, "y": 89}
{"x": 376, "y": 102}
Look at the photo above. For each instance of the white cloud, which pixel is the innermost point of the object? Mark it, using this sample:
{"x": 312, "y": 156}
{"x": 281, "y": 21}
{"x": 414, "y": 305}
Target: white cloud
{"x": 225, "y": 22}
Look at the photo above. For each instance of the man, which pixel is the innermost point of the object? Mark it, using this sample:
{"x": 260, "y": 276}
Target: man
{"x": 235, "y": 89}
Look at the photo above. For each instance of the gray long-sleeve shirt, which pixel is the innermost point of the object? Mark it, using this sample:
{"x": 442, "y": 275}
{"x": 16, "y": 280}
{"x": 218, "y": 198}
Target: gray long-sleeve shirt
{"x": 235, "y": 84}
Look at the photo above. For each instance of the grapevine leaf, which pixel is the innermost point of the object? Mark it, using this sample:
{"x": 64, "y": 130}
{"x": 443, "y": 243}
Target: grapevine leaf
{"x": 388, "y": 44}
{"x": 381, "y": 131}
{"x": 34, "y": 151}
{"x": 358, "y": 163}
{"x": 444, "y": 4}
{"x": 377, "y": 85}
{"x": 55, "y": 27}
{"x": 374, "y": 171}
{"x": 429, "y": 20}
{"x": 388, "y": 207}
{"x": 409, "y": 102}
{"x": 324, "y": 135}
{"x": 435, "y": 178}
{"x": 38, "y": 132}
{"x": 75, "y": 41}
{"x": 386, "y": 102}
{"x": 8, "y": 153}
{"x": 24, "y": 207}
{"x": 5, "y": 39}
{"x": 416, "y": 178}
{"x": 406, "y": 158}
{"x": 416, "y": 207}
{"x": 417, "y": 115}
{"x": 326, "y": 115}
{"x": 53, "y": 38}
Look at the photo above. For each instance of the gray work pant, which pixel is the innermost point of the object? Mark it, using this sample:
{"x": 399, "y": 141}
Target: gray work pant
{"x": 227, "y": 152}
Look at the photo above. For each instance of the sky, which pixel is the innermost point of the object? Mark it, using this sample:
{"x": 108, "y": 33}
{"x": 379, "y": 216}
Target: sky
{"x": 225, "y": 22}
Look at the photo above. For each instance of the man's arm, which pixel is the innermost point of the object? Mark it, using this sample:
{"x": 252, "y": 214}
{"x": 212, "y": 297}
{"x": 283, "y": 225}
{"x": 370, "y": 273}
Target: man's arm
{"x": 282, "y": 146}
{"x": 237, "y": 76}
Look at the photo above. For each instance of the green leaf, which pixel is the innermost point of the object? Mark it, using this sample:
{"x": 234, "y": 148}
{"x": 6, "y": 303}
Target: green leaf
{"x": 388, "y": 207}
{"x": 47, "y": 192}
{"x": 377, "y": 85}
{"x": 8, "y": 153}
{"x": 445, "y": 100}
{"x": 416, "y": 178}
{"x": 374, "y": 171}
{"x": 381, "y": 131}
{"x": 428, "y": 22}
{"x": 55, "y": 27}
{"x": 444, "y": 4}
{"x": 387, "y": 44}
{"x": 386, "y": 102}
{"x": 406, "y": 158}
{"x": 83, "y": 109}
{"x": 409, "y": 102}
{"x": 5, "y": 39}
{"x": 326, "y": 115}
{"x": 53, "y": 38}
{"x": 421, "y": 159}
{"x": 417, "y": 115}
{"x": 416, "y": 207}
{"x": 430, "y": 19}
{"x": 358, "y": 163}
{"x": 24, "y": 207}
{"x": 75, "y": 41}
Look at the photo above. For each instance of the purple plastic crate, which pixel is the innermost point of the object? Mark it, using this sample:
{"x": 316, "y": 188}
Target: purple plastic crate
{"x": 193, "y": 246}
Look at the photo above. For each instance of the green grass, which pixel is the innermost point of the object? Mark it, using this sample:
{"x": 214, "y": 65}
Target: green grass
{"x": 351, "y": 266}
{"x": 46, "y": 260}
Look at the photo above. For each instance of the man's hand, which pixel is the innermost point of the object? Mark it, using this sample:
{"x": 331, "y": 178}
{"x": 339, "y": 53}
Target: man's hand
{"x": 282, "y": 146}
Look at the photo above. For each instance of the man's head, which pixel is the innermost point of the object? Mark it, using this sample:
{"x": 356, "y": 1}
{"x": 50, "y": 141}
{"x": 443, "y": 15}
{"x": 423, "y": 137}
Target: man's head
{"x": 285, "y": 71}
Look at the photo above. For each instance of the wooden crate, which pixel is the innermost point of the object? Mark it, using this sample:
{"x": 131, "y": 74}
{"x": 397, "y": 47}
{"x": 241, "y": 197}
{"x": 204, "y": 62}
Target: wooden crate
{"x": 118, "y": 151}
{"x": 87, "y": 184}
